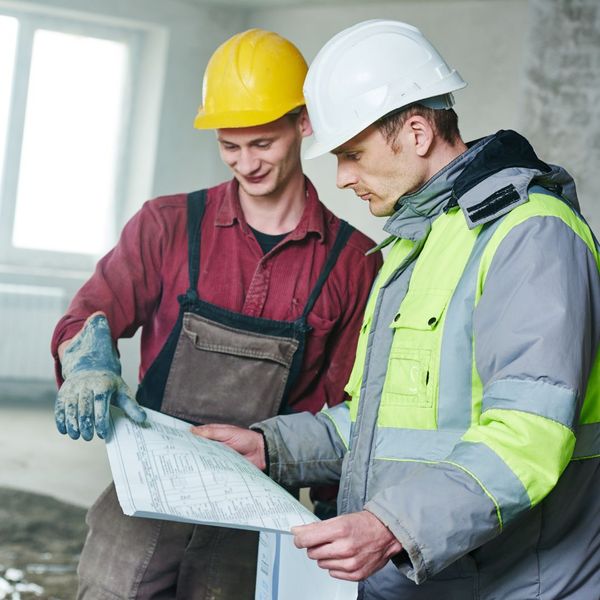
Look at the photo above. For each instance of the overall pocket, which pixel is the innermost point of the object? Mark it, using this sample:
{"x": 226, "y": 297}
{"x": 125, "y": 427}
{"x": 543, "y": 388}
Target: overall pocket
{"x": 409, "y": 396}
{"x": 221, "y": 374}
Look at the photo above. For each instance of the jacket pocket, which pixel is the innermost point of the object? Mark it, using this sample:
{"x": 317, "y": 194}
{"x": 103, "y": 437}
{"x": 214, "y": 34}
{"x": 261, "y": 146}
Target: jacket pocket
{"x": 409, "y": 397}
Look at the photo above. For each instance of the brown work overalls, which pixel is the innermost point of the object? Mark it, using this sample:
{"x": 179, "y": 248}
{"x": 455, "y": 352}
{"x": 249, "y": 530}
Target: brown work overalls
{"x": 217, "y": 366}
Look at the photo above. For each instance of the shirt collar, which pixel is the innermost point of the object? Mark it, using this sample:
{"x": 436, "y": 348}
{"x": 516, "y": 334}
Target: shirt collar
{"x": 230, "y": 210}
{"x": 313, "y": 218}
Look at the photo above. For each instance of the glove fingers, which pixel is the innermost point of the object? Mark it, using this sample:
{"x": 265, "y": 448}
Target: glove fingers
{"x": 101, "y": 404}
{"x": 86, "y": 414}
{"x": 130, "y": 407}
{"x": 59, "y": 413}
{"x": 72, "y": 415}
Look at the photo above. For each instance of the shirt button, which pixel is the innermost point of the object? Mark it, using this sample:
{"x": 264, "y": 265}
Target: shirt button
{"x": 396, "y": 317}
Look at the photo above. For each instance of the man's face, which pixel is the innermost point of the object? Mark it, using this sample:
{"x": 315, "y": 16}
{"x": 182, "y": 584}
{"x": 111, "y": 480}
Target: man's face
{"x": 377, "y": 173}
{"x": 264, "y": 158}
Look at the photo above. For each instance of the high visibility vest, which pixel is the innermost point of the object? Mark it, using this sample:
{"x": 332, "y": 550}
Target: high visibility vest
{"x": 432, "y": 398}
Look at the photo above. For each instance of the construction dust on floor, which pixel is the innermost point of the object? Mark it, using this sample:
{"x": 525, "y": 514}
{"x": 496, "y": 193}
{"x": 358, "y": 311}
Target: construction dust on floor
{"x": 41, "y": 542}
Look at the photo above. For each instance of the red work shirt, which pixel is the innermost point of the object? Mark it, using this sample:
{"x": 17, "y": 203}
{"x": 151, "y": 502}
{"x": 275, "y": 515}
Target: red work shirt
{"x": 137, "y": 283}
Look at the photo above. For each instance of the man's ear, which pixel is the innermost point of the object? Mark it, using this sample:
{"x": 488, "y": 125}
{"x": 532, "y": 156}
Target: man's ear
{"x": 420, "y": 133}
{"x": 304, "y": 124}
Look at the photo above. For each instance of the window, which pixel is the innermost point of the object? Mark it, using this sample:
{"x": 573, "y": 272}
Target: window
{"x": 70, "y": 144}
{"x": 64, "y": 136}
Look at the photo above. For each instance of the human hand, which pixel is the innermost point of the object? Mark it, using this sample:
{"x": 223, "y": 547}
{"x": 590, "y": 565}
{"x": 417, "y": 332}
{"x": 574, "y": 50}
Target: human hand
{"x": 92, "y": 374}
{"x": 250, "y": 444}
{"x": 350, "y": 547}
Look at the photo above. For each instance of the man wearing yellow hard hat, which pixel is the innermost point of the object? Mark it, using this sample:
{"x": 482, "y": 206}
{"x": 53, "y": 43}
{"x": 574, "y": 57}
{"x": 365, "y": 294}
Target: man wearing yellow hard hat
{"x": 249, "y": 294}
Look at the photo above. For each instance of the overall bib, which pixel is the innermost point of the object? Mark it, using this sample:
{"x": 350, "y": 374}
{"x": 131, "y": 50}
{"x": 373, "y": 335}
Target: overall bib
{"x": 217, "y": 366}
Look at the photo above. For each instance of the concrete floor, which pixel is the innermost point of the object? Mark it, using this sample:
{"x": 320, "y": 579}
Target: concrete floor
{"x": 36, "y": 458}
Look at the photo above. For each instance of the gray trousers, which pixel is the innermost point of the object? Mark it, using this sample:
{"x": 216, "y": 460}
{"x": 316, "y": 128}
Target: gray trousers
{"x": 147, "y": 559}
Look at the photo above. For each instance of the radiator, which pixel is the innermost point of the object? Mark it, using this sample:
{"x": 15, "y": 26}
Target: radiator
{"x": 28, "y": 315}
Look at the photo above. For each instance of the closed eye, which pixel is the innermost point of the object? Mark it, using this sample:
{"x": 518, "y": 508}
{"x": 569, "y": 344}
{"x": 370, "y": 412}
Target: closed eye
{"x": 263, "y": 144}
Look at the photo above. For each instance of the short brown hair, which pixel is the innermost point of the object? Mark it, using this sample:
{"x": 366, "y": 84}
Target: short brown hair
{"x": 295, "y": 113}
{"x": 443, "y": 121}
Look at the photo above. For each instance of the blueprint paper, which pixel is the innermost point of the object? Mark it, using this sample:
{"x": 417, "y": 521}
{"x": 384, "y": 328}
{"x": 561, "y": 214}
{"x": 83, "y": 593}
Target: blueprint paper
{"x": 286, "y": 573}
{"x": 163, "y": 471}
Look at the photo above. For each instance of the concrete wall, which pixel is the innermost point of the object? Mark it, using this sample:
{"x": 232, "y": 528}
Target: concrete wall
{"x": 561, "y": 91}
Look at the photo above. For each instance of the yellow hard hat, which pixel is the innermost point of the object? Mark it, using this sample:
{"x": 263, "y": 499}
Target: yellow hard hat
{"x": 254, "y": 78}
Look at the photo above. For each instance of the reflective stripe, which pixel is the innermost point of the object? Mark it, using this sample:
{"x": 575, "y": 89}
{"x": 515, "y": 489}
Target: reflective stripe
{"x": 580, "y": 226}
{"x": 588, "y": 441}
{"x": 454, "y": 399}
{"x": 340, "y": 417}
{"x": 494, "y": 475}
{"x": 477, "y": 459}
{"x": 536, "y": 397}
{"x": 412, "y": 444}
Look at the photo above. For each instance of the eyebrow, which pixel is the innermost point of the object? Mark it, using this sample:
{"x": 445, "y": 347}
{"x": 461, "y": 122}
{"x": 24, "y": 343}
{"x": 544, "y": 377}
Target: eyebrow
{"x": 338, "y": 151}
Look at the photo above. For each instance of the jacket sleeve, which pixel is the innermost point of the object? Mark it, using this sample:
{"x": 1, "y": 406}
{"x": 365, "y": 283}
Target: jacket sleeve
{"x": 306, "y": 449}
{"x": 536, "y": 332}
{"x": 125, "y": 284}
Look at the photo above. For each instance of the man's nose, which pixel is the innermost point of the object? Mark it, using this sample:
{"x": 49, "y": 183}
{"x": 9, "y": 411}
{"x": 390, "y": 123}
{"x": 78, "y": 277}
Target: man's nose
{"x": 247, "y": 162}
{"x": 345, "y": 176}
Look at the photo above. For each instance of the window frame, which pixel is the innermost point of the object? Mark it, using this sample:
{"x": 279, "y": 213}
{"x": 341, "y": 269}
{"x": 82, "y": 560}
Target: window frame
{"x": 28, "y": 23}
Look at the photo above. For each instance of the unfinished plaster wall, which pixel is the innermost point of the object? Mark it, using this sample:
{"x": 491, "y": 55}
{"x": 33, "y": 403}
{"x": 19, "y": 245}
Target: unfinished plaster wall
{"x": 561, "y": 92}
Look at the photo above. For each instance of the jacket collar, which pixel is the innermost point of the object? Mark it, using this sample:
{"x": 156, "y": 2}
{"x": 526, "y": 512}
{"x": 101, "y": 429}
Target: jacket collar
{"x": 487, "y": 181}
{"x": 415, "y": 212}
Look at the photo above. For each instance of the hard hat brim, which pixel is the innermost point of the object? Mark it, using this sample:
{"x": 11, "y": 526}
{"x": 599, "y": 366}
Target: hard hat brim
{"x": 439, "y": 102}
{"x": 235, "y": 119}
{"x": 316, "y": 148}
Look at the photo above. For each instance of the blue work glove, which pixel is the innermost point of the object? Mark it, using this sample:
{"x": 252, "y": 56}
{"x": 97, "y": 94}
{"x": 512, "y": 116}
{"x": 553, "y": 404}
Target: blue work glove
{"x": 92, "y": 374}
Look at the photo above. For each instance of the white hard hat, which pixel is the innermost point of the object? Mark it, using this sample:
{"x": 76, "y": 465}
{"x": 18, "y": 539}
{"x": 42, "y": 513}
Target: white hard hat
{"x": 366, "y": 72}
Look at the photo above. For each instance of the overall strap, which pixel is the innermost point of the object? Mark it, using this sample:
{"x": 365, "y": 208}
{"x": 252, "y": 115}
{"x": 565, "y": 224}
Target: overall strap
{"x": 196, "y": 202}
{"x": 344, "y": 232}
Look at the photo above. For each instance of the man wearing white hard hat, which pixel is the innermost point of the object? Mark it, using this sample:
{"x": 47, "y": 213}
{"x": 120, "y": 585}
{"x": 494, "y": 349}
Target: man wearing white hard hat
{"x": 468, "y": 458}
